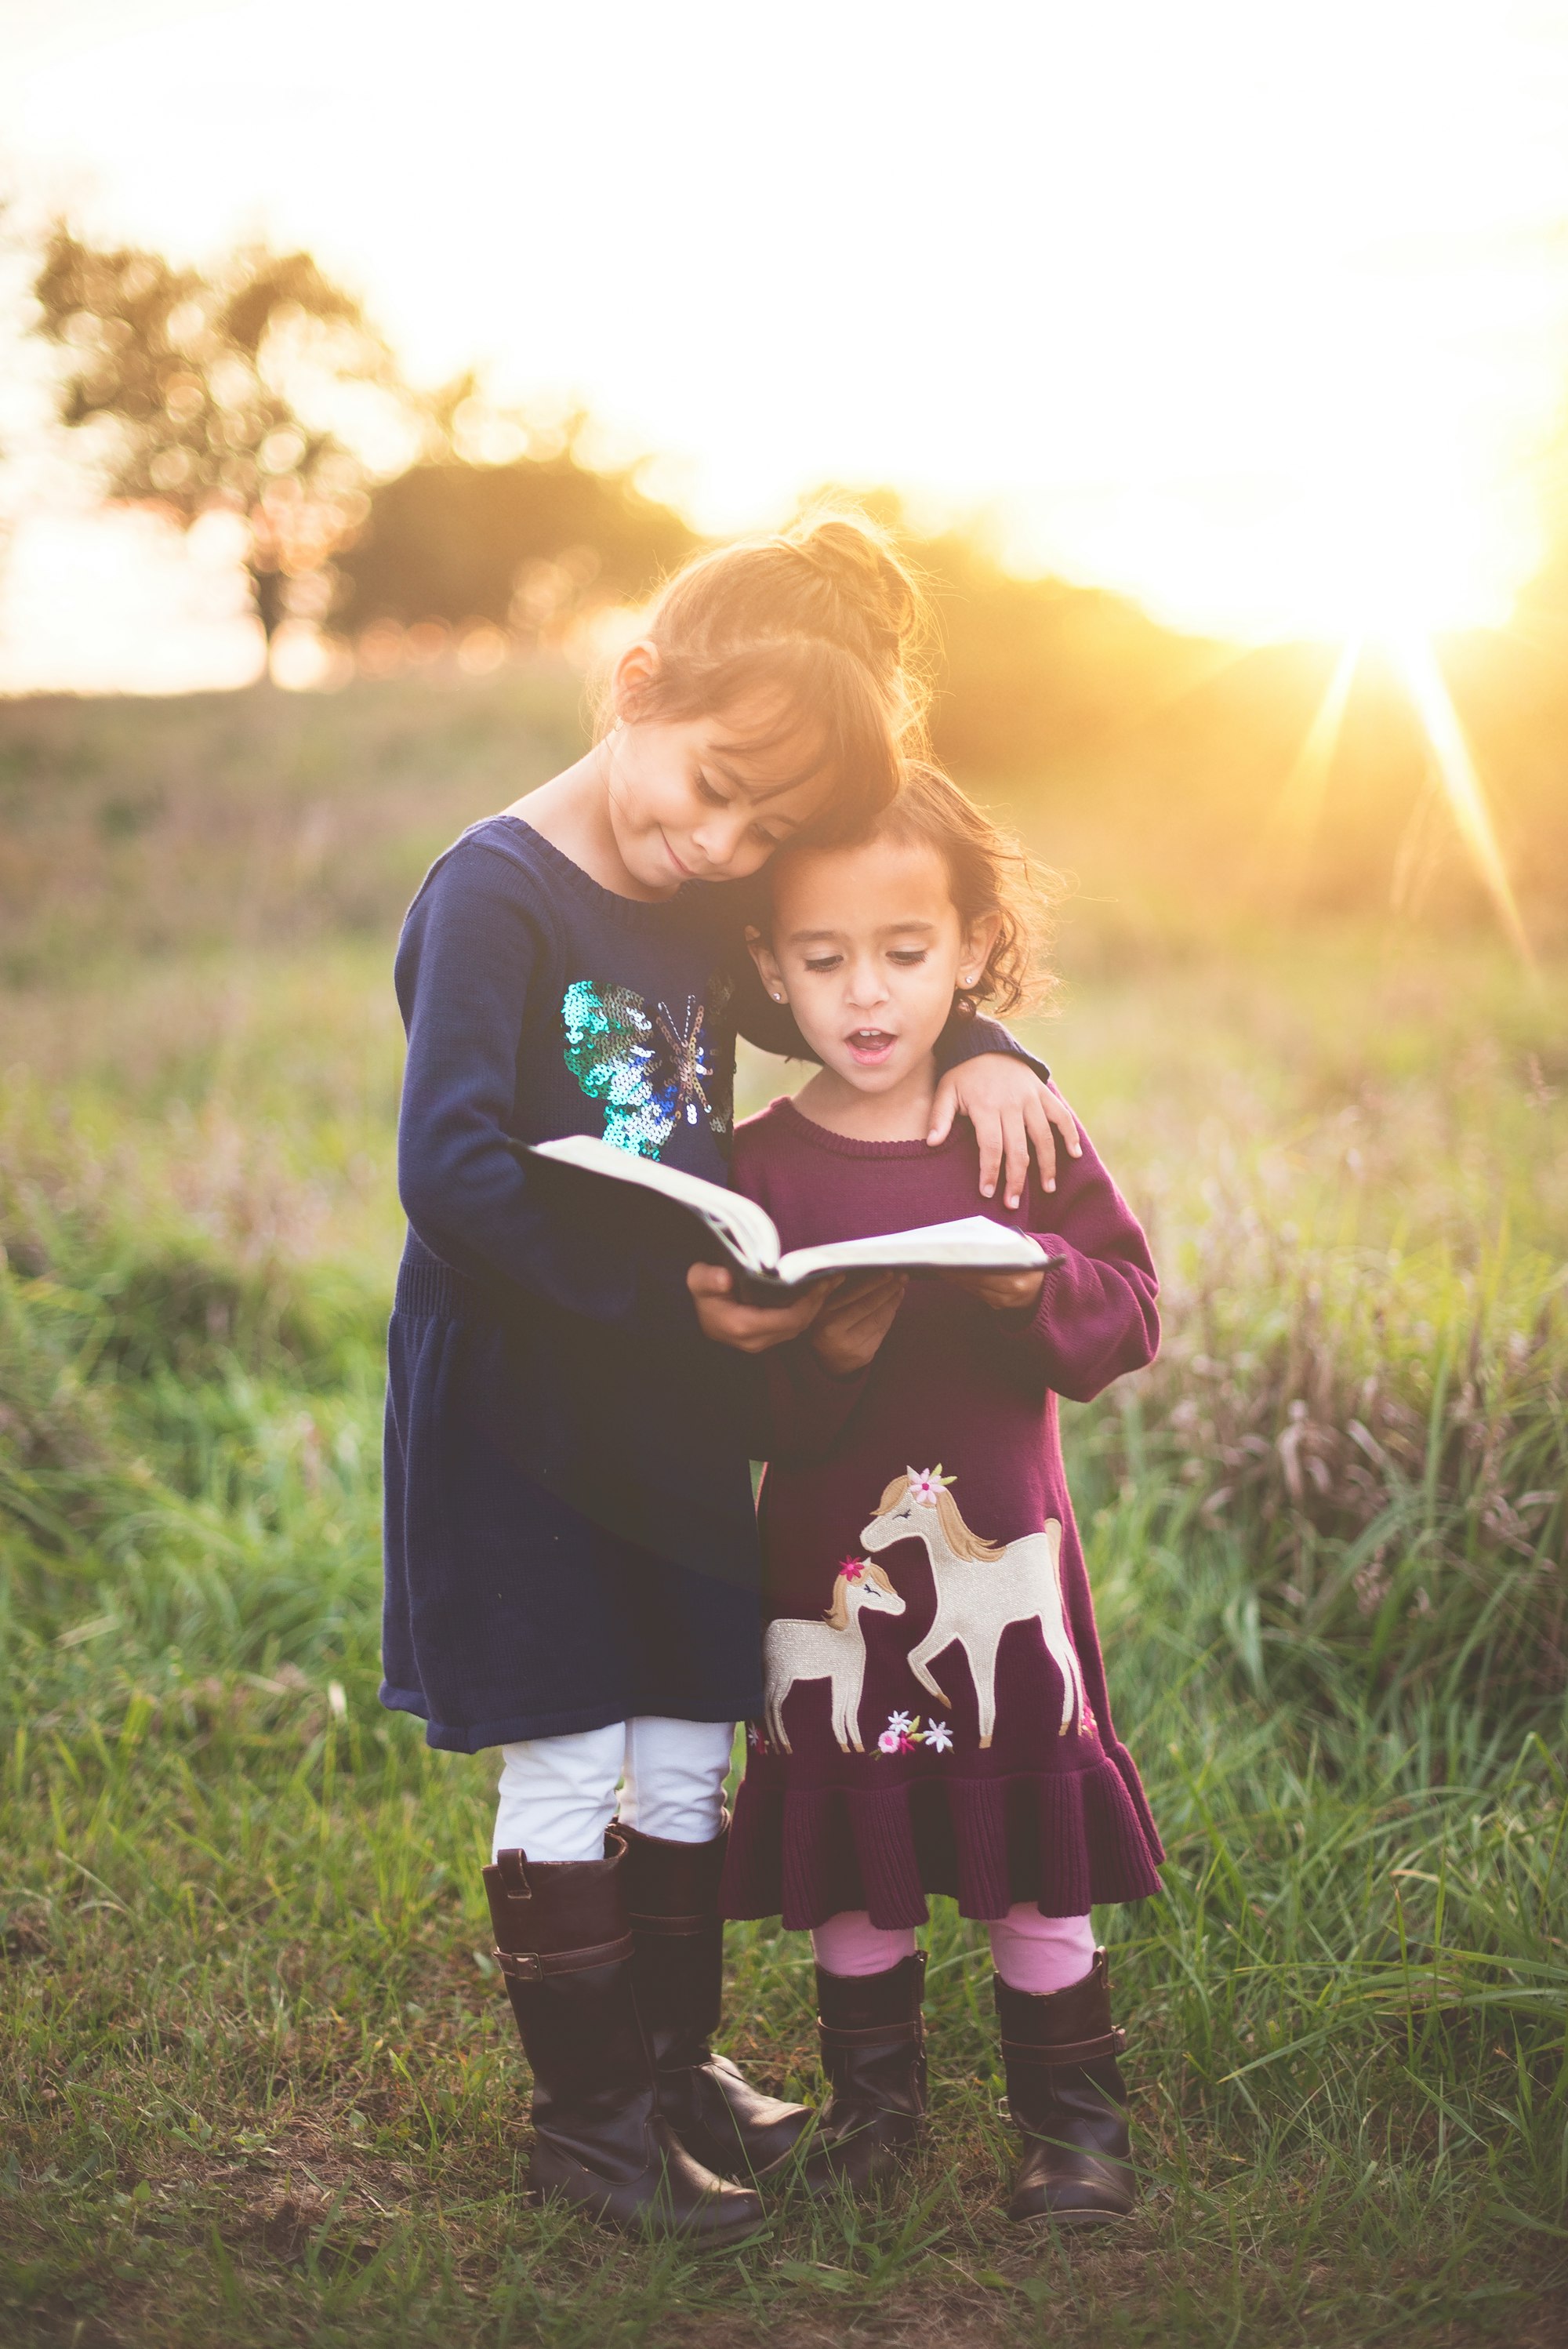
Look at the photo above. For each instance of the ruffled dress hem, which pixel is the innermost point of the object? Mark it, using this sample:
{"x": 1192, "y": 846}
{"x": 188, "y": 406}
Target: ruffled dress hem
{"x": 1064, "y": 1839}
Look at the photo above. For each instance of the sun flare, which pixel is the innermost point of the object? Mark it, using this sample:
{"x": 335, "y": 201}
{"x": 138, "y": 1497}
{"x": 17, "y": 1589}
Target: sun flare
{"x": 1413, "y": 657}
{"x": 1417, "y": 664}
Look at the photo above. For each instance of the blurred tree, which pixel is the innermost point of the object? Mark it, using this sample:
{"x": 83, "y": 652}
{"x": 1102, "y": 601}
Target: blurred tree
{"x": 1032, "y": 668}
{"x": 227, "y": 390}
{"x": 527, "y": 544}
{"x": 1029, "y": 670}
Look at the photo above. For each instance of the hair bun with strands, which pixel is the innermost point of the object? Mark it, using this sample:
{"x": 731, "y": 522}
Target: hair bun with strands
{"x": 874, "y": 595}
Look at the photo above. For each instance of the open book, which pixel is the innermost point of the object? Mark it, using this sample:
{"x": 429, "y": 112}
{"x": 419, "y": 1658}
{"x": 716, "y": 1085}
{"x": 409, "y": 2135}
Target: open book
{"x": 749, "y": 1237}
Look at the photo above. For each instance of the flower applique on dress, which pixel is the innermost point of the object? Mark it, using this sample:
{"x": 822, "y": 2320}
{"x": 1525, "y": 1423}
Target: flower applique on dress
{"x": 904, "y": 1734}
{"x": 650, "y": 1065}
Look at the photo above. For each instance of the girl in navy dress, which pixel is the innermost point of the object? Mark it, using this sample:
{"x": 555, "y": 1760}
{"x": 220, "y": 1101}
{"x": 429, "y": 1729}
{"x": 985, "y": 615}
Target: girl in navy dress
{"x": 935, "y": 1716}
{"x": 571, "y": 1547}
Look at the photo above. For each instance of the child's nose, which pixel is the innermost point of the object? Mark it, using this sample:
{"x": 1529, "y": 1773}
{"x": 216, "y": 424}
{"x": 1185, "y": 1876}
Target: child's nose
{"x": 867, "y": 985}
{"x": 720, "y": 837}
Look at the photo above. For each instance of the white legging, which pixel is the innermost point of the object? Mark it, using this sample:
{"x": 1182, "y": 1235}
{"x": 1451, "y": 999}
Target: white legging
{"x": 558, "y": 1793}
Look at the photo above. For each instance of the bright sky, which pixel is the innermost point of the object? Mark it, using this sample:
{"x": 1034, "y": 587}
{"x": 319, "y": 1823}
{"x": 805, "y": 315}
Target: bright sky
{"x": 1258, "y": 312}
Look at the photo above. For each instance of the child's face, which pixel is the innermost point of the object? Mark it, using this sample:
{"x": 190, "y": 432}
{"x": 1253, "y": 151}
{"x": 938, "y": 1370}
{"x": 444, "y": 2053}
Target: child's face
{"x": 686, "y": 804}
{"x": 868, "y": 950}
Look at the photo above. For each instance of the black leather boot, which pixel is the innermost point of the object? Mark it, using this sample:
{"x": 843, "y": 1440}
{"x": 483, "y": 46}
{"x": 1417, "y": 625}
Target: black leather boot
{"x": 873, "y": 2052}
{"x": 1066, "y": 2092}
{"x": 564, "y": 1945}
{"x": 678, "y": 1934}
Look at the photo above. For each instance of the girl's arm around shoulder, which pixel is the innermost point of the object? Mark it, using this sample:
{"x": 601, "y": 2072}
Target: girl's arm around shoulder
{"x": 468, "y": 969}
{"x": 1096, "y": 1316}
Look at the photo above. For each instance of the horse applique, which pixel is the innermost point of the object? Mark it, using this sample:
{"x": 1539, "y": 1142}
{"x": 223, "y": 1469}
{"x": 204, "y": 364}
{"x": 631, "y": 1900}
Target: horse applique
{"x": 981, "y": 1587}
{"x": 830, "y": 1649}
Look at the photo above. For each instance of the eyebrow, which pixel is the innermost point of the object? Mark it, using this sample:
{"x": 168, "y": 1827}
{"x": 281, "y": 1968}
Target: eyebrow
{"x": 888, "y": 930}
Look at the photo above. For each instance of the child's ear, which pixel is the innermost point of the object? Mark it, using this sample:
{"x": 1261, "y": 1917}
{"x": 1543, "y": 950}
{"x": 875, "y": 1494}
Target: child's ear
{"x": 634, "y": 672}
{"x": 978, "y": 940}
{"x": 762, "y": 955}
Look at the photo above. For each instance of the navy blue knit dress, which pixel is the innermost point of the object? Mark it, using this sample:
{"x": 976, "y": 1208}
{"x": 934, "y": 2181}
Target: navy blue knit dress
{"x": 570, "y": 1539}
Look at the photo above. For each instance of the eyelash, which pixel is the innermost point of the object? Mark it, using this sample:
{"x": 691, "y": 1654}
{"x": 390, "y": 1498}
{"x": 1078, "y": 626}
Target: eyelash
{"x": 760, "y": 832}
{"x": 906, "y": 958}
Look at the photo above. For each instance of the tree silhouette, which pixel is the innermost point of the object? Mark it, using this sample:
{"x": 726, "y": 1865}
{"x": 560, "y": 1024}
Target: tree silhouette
{"x": 217, "y": 391}
{"x": 527, "y": 546}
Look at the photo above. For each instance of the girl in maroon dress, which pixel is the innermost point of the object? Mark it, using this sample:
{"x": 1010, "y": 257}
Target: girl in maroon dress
{"x": 936, "y": 1717}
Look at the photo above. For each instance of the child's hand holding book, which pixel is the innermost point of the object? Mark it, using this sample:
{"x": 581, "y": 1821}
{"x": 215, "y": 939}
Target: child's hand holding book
{"x": 751, "y": 1328}
{"x": 1003, "y": 1292}
{"x": 855, "y": 1320}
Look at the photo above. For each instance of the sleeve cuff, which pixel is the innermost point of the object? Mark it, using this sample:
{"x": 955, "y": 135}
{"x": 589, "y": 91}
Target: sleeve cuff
{"x": 967, "y": 1038}
{"x": 1031, "y": 1326}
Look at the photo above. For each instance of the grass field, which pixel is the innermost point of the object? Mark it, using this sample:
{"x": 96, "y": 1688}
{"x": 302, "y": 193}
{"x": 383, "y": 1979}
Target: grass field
{"x": 258, "y": 2082}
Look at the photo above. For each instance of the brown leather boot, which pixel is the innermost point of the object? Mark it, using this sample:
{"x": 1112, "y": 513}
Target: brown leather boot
{"x": 672, "y": 1903}
{"x": 1067, "y": 2093}
{"x": 564, "y": 1945}
{"x": 873, "y": 2052}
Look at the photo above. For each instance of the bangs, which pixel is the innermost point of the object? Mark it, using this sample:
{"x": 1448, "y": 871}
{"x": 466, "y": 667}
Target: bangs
{"x": 799, "y": 710}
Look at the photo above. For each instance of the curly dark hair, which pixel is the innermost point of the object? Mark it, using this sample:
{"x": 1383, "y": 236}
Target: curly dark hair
{"x": 991, "y": 873}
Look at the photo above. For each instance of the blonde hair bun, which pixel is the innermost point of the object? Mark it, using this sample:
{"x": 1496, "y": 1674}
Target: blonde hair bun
{"x": 876, "y": 593}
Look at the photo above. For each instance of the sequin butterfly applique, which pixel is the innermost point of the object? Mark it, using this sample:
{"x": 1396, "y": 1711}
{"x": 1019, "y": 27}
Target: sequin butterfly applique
{"x": 651, "y": 1068}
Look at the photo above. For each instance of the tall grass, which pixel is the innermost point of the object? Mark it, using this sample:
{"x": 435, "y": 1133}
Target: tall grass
{"x": 257, "y": 2077}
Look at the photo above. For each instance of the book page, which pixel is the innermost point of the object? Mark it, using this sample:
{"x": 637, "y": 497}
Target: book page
{"x": 970, "y": 1243}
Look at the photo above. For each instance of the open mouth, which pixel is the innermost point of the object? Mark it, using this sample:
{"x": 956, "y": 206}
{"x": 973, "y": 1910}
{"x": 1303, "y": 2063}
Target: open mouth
{"x": 870, "y": 1046}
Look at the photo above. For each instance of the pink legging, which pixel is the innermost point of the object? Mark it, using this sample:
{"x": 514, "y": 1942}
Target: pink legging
{"x": 1030, "y": 1953}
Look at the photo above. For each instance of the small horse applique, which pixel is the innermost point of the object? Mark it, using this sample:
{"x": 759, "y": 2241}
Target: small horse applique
{"x": 830, "y": 1649}
{"x": 981, "y": 1587}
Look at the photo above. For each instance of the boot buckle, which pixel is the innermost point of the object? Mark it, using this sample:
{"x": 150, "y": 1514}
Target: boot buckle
{"x": 519, "y": 1965}
{"x": 533, "y": 1965}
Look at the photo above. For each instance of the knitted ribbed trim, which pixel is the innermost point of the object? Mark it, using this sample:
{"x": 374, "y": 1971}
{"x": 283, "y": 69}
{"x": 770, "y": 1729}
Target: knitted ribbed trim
{"x": 846, "y": 1145}
{"x": 1139, "y": 1800}
{"x": 428, "y": 1290}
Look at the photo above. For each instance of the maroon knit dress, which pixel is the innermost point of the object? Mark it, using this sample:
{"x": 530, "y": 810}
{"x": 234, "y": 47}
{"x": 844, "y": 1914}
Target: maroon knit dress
{"x": 936, "y": 1711}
